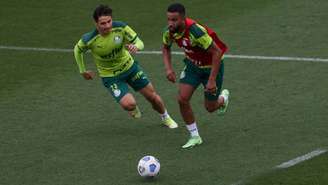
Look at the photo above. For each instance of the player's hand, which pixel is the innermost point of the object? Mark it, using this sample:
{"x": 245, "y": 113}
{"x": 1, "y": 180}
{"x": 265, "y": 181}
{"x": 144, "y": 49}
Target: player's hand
{"x": 131, "y": 48}
{"x": 170, "y": 75}
{"x": 211, "y": 87}
{"x": 88, "y": 75}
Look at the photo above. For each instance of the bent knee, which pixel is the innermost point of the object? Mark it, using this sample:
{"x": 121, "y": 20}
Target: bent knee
{"x": 183, "y": 100}
{"x": 128, "y": 105}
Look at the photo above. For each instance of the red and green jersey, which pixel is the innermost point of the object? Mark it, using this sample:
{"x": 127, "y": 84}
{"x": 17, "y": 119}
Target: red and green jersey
{"x": 195, "y": 40}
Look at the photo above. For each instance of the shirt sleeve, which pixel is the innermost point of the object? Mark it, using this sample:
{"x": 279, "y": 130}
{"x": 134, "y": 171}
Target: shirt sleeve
{"x": 79, "y": 49}
{"x": 131, "y": 37}
{"x": 200, "y": 37}
{"x": 167, "y": 41}
{"x": 129, "y": 34}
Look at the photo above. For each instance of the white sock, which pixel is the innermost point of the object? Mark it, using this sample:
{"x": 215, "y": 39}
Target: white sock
{"x": 193, "y": 129}
{"x": 225, "y": 97}
{"x": 164, "y": 115}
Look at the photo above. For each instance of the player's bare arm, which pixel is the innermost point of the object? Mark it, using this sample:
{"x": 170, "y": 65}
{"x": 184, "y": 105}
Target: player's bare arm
{"x": 170, "y": 74}
{"x": 135, "y": 46}
{"x": 131, "y": 48}
{"x": 88, "y": 75}
{"x": 216, "y": 61}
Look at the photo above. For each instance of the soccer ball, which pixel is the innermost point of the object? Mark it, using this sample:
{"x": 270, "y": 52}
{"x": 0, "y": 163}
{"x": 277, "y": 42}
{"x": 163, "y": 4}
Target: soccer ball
{"x": 148, "y": 166}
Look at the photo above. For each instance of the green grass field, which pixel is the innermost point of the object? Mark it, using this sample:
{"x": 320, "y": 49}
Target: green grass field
{"x": 56, "y": 128}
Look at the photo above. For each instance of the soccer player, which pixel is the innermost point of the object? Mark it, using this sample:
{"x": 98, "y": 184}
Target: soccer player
{"x": 111, "y": 44}
{"x": 203, "y": 65}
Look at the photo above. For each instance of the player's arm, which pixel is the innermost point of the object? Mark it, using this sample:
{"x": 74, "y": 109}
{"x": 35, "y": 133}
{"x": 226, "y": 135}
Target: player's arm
{"x": 166, "y": 53}
{"x": 204, "y": 41}
{"x": 216, "y": 62}
{"x": 134, "y": 43}
{"x": 79, "y": 50}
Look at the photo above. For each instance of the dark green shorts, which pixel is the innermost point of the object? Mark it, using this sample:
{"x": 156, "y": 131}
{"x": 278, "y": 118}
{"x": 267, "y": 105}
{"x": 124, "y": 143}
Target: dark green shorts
{"x": 195, "y": 76}
{"x": 118, "y": 85}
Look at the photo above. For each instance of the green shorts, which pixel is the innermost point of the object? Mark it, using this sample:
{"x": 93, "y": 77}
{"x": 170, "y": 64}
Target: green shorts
{"x": 118, "y": 85}
{"x": 195, "y": 76}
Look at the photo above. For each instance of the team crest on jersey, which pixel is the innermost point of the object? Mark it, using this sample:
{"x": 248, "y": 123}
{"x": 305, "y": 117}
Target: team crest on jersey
{"x": 117, "y": 39}
{"x": 185, "y": 42}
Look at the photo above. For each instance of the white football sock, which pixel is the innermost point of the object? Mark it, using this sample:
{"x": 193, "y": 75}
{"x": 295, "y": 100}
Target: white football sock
{"x": 225, "y": 97}
{"x": 164, "y": 115}
{"x": 193, "y": 129}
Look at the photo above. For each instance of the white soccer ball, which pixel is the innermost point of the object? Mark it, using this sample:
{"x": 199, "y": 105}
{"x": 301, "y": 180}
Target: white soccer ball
{"x": 148, "y": 166}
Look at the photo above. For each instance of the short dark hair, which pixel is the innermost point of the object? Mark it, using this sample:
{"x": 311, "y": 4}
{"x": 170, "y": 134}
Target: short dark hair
{"x": 102, "y": 10}
{"x": 177, "y": 7}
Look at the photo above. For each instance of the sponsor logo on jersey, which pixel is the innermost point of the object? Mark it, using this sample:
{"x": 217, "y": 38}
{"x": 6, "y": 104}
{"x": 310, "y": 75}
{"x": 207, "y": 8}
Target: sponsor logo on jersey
{"x": 112, "y": 53}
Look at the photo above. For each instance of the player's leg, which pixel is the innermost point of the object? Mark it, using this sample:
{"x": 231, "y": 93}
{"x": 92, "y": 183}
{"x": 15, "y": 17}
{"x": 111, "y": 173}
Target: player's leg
{"x": 189, "y": 81}
{"x": 120, "y": 91}
{"x": 223, "y": 99}
{"x": 149, "y": 93}
{"x": 219, "y": 103}
{"x": 216, "y": 100}
{"x": 139, "y": 82}
{"x": 185, "y": 93}
{"x": 129, "y": 104}
{"x": 157, "y": 103}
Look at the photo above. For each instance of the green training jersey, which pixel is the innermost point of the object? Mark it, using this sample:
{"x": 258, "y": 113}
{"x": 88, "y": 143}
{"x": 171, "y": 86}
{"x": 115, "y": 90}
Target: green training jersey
{"x": 197, "y": 34}
{"x": 109, "y": 52}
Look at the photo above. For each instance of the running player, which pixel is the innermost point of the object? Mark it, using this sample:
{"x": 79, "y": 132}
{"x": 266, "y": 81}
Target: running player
{"x": 111, "y": 44}
{"x": 203, "y": 65}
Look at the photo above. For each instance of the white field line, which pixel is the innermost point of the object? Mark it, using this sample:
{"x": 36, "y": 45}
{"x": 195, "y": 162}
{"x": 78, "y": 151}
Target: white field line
{"x": 35, "y": 49}
{"x": 281, "y": 58}
{"x": 282, "y": 165}
{"x": 275, "y": 58}
{"x": 294, "y": 161}
{"x": 301, "y": 158}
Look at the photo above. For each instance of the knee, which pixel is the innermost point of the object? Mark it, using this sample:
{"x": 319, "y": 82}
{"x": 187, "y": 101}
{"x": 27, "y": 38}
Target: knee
{"x": 129, "y": 105}
{"x": 153, "y": 97}
{"x": 182, "y": 100}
